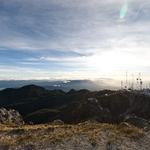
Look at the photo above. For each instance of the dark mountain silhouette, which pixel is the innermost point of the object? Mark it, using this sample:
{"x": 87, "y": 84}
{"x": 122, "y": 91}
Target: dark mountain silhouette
{"x": 57, "y": 84}
{"x": 39, "y": 105}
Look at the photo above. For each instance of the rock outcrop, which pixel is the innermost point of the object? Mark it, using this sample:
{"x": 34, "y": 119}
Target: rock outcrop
{"x": 57, "y": 122}
{"x": 10, "y": 117}
{"x": 137, "y": 121}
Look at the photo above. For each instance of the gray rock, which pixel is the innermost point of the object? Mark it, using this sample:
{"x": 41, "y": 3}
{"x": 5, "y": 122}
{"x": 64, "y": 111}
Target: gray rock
{"x": 137, "y": 121}
{"x": 58, "y": 122}
{"x": 10, "y": 117}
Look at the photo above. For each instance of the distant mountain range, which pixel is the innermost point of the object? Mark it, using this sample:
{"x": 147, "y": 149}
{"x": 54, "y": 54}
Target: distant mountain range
{"x": 39, "y": 105}
{"x": 64, "y": 85}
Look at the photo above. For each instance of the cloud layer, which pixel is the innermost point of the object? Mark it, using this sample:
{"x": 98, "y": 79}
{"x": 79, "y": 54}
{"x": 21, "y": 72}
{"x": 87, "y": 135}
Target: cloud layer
{"x": 74, "y": 37}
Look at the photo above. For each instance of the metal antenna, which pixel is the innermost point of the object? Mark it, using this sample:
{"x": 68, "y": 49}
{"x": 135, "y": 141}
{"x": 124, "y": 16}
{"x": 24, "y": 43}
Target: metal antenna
{"x": 126, "y": 86}
{"x": 137, "y": 83}
{"x": 132, "y": 81}
{"x": 141, "y": 82}
{"x": 121, "y": 85}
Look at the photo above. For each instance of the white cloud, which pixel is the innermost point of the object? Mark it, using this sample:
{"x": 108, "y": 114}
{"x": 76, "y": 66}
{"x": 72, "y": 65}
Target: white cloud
{"x": 83, "y": 26}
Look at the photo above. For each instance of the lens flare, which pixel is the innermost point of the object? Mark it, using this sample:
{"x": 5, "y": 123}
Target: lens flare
{"x": 123, "y": 11}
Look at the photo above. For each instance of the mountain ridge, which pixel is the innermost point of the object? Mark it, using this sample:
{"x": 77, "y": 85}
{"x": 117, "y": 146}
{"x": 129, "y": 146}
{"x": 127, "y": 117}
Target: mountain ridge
{"x": 39, "y": 105}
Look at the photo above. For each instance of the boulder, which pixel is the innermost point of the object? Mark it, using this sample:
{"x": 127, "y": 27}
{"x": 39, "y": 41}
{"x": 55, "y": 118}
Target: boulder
{"x": 10, "y": 117}
{"x": 58, "y": 122}
{"x": 137, "y": 121}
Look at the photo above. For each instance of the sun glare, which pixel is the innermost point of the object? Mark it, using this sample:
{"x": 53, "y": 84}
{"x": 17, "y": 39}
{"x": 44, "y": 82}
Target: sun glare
{"x": 110, "y": 61}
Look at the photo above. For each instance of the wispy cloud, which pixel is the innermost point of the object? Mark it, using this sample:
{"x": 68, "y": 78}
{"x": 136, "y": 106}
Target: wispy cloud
{"x": 75, "y": 35}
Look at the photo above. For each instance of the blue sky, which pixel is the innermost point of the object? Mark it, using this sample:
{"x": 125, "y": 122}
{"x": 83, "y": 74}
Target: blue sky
{"x": 74, "y": 39}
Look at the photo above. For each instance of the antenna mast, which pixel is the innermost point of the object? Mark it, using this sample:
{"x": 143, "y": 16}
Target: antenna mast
{"x": 141, "y": 82}
{"x": 132, "y": 82}
{"x": 126, "y": 86}
{"x": 121, "y": 85}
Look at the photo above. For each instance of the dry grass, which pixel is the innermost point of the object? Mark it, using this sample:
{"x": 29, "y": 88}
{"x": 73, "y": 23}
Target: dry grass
{"x": 14, "y": 135}
{"x": 131, "y": 132}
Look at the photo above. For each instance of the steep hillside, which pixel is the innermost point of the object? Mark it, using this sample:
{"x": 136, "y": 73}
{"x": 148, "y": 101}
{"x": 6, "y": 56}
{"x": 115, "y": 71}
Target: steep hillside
{"x": 39, "y": 105}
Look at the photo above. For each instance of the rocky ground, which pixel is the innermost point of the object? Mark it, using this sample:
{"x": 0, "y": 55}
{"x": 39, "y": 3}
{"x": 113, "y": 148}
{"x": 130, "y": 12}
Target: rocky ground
{"x": 83, "y": 136}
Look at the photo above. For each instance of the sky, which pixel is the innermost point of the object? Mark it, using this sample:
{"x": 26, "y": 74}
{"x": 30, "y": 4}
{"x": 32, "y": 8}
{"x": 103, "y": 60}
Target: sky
{"x": 74, "y": 39}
